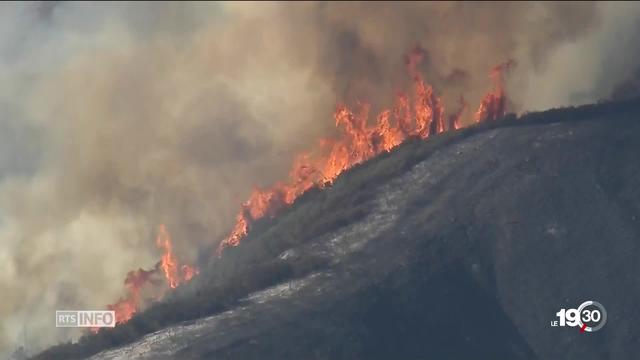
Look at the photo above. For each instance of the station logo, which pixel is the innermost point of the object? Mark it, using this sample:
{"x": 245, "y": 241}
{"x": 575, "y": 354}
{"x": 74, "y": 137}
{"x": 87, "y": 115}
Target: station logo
{"x": 88, "y": 319}
{"x": 590, "y": 316}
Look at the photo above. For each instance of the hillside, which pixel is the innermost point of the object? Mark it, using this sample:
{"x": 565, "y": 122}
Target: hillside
{"x": 462, "y": 246}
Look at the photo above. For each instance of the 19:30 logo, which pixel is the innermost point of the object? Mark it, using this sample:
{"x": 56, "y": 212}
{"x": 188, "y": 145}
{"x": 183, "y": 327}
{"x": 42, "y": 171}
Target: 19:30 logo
{"x": 590, "y": 316}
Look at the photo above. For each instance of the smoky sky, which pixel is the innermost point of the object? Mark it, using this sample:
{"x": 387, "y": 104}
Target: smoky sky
{"x": 118, "y": 117}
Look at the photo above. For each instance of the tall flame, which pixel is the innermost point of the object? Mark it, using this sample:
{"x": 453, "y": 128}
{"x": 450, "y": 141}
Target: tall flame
{"x": 494, "y": 105}
{"x": 168, "y": 262}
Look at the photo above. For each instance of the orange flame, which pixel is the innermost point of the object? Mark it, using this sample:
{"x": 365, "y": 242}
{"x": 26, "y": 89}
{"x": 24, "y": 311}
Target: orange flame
{"x": 494, "y": 105}
{"x": 362, "y": 141}
{"x": 135, "y": 281}
{"x": 168, "y": 263}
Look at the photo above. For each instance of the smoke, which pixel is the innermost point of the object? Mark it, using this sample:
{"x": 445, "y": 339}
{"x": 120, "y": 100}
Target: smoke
{"x": 593, "y": 67}
{"x": 118, "y": 117}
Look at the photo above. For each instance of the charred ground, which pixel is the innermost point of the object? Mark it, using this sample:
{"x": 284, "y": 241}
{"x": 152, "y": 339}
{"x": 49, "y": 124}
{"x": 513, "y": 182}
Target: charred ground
{"x": 465, "y": 245}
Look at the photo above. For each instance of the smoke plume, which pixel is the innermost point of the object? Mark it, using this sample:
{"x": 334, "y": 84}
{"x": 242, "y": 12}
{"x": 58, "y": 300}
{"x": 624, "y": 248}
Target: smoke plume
{"x": 118, "y": 117}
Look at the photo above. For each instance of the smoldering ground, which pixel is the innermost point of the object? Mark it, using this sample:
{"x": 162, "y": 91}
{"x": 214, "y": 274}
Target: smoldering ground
{"x": 119, "y": 117}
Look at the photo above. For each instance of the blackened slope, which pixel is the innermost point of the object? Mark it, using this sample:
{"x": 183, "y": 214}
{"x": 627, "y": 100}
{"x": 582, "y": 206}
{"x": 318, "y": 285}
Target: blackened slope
{"x": 443, "y": 315}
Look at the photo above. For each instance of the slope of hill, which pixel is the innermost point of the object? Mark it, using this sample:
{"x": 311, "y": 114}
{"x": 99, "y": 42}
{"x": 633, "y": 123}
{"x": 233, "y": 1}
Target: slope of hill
{"x": 462, "y": 246}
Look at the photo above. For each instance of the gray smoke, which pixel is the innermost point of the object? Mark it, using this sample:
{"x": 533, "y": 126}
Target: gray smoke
{"x": 118, "y": 117}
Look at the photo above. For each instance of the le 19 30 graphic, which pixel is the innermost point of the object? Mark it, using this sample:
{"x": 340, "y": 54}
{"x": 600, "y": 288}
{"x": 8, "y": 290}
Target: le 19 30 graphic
{"x": 590, "y": 316}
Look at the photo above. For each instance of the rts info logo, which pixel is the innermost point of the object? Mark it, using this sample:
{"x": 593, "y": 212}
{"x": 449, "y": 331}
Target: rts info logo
{"x": 590, "y": 316}
{"x": 91, "y": 319}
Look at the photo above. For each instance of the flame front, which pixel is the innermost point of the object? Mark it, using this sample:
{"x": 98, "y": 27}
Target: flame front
{"x": 419, "y": 116}
{"x": 361, "y": 141}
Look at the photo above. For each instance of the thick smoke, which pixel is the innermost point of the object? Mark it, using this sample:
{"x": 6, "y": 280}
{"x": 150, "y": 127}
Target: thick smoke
{"x": 118, "y": 117}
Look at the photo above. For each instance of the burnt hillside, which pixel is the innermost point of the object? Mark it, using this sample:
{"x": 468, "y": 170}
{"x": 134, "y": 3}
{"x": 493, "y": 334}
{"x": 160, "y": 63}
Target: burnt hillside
{"x": 462, "y": 246}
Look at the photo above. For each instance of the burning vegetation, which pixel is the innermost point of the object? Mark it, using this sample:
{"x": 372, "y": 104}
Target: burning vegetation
{"x": 420, "y": 114}
{"x": 167, "y": 269}
{"x": 362, "y": 140}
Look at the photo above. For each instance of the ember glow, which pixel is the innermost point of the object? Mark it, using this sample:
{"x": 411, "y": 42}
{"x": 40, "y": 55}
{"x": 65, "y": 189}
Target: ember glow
{"x": 420, "y": 115}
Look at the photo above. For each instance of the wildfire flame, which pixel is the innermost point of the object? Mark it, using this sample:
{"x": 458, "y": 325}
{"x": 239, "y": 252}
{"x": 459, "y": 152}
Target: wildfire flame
{"x": 494, "y": 105}
{"x": 168, "y": 264}
{"x": 421, "y": 116}
{"x": 127, "y": 306}
{"x": 168, "y": 267}
{"x": 362, "y": 141}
